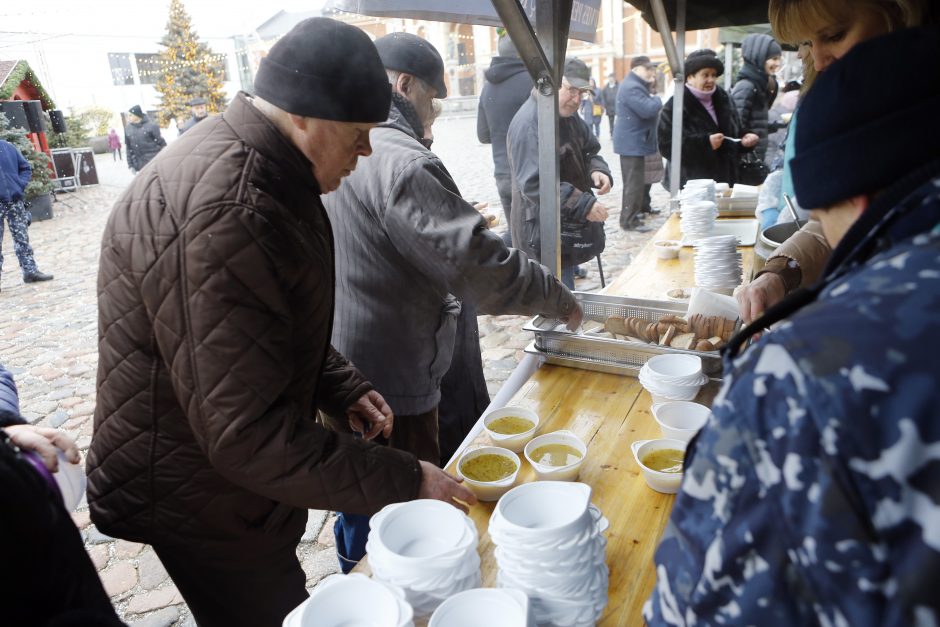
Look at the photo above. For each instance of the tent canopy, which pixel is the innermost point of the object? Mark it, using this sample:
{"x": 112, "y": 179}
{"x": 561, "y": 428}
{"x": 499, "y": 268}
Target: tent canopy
{"x": 701, "y": 14}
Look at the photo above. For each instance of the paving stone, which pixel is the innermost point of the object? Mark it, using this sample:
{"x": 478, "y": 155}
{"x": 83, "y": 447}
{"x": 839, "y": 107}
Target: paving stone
{"x": 57, "y": 418}
{"x": 315, "y": 520}
{"x": 154, "y": 600}
{"x": 81, "y": 519}
{"x": 99, "y": 555}
{"x": 59, "y": 394}
{"x": 152, "y": 572}
{"x": 125, "y": 550}
{"x": 161, "y": 618}
{"x": 320, "y": 564}
{"x": 326, "y": 537}
{"x": 119, "y": 578}
{"x": 93, "y": 536}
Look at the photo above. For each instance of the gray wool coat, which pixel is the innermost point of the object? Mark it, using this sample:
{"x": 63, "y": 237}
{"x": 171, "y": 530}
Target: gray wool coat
{"x": 408, "y": 249}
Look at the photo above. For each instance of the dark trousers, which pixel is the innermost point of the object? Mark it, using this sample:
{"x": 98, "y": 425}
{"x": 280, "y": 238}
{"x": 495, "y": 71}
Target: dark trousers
{"x": 17, "y": 216}
{"x": 256, "y": 592}
{"x": 632, "y": 169}
{"x": 416, "y": 434}
{"x": 504, "y": 187}
{"x": 610, "y": 118}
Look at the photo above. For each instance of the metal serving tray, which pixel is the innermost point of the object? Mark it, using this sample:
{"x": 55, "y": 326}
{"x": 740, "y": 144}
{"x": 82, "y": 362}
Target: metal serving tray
{"x": 737, "y": 207}
{"x": 604, "y": 354}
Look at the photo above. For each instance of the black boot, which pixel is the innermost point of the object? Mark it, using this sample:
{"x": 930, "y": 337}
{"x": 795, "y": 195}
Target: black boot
{"x": 36, "y": 277}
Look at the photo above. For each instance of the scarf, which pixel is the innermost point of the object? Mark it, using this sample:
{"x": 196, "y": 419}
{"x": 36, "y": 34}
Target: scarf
{"x": 705, "y": 97}
{"x": 410, "y": 114}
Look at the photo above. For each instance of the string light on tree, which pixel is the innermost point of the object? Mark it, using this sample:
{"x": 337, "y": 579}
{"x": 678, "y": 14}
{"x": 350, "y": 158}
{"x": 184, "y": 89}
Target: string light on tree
{"x": 188, "y": 69}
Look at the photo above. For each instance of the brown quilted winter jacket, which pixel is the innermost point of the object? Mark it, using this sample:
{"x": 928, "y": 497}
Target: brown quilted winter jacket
{"x": 215, "y": 306}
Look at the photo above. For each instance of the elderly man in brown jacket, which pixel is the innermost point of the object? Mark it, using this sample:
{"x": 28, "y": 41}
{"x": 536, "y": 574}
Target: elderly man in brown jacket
{"x": 215, "y": 313}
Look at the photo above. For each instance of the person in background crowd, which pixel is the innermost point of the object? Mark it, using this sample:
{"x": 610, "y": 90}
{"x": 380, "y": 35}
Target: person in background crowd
{"x": 199, "y": 111}
{"x": 582, "y": 215}
{"x": 708, "y": 118}
{"x": 506, "y": 88}
{"x": 47, "y": 577}
{"x": 810, "y": 497}
{"x": 409, "y": 254}
{"x": 779, "y": 116}
{"x": 609, "y": 99}
{"x": 15, "y": 173}
{"x": 635, "y": 139}
{"x": 142, "y": 138}
{"x": 592, "y": 108}
{"x": 114, "y": 144}
{"x": 830, "y": 28}
{"x": 756, "y": 88}
{"x": 215, "y": 308}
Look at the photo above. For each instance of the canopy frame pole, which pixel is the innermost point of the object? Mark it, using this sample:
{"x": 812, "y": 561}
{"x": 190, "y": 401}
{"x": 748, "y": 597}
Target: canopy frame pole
{"x": 675, "y": 53}
{"x": 729, "y": 63}
{"x": 543, "y": 52}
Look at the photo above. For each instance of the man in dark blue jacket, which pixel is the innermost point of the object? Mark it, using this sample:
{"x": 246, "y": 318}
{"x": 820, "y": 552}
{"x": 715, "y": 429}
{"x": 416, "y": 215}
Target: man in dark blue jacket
{"x": 15, "y": 173}
{"x": 635, "y": 138}
{"x": 507, "y": 87}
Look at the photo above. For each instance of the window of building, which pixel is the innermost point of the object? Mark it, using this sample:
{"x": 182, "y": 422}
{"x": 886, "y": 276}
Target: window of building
{"x": 149, "y": 67}
{"x": 121, "y": 72}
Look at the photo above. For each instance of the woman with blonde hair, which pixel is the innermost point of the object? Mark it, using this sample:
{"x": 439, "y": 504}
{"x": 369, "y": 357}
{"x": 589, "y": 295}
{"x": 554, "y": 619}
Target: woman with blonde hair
{"x": 830, "y": 28}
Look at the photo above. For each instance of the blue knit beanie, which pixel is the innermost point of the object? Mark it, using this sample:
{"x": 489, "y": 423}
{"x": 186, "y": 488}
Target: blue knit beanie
{"x": 869, "y": 119}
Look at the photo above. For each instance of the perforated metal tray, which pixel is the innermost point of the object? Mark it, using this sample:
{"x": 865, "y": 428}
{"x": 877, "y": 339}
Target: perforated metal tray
{"x": 737, "y": 207}
{"x": 604, "y": 354}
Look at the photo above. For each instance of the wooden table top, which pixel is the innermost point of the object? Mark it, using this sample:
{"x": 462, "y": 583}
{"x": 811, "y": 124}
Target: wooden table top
{"x": 609, "y": 412}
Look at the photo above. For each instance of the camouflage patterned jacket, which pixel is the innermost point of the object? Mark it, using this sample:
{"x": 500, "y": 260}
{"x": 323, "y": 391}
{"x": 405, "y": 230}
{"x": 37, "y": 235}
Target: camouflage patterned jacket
{"x": 813, "y": 495}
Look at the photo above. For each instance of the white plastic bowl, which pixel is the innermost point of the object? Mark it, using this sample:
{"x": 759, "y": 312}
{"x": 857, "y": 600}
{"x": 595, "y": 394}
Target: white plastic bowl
{"x": 665, "y": 482}
{"x": 667, "y": 248}
{"x": 494, "y": 607}
{"x": 489, "y": 490}
{"x": 680, "y": 420}
{"x": 556, "y": 473}
{"x": 675, "y": 368}
{"x": 337, "y": 602}
{"x": 421, "y": 529}
{"x": 516, "y": 442}
{"x": 543, "y": 512}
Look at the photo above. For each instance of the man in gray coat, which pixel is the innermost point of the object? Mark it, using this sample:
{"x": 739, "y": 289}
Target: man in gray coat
{"x": 635, "y": 138}
{"x": 407, "y": 255}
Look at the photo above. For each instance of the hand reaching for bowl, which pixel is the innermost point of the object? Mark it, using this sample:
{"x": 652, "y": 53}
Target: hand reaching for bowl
{"x": 762, "y": 293}
{"x": 437, "y": 484}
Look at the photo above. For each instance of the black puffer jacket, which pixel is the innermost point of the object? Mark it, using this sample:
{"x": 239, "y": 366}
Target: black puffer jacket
{"x": 508, "y": 85}
{"x": 755, "y": 91}
{"x": 699, "y": 161}
{"x": 143, "y": 141}
{"x": 215, "y": 310}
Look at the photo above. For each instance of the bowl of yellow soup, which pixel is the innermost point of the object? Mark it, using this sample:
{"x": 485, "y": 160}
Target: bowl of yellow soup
{"x": 556, "y": 456}
{"x": 662, "y": 462}
{"x": 489, "y": 471}
{"x": 511, "y": 427}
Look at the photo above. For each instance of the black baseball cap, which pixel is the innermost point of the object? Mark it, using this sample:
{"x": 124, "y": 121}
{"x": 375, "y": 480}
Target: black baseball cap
{"x": 577, "y": 73}
{"x": 641, "y": 60}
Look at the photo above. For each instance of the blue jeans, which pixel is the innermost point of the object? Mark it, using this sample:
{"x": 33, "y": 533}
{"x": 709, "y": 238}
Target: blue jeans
{"x": 567, "y": 276}
{"x": 351, "y": 532}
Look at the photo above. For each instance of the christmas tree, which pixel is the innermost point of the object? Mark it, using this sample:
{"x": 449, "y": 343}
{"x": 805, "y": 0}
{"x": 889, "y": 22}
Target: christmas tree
{"x": 41, "y": 181}
{"x": 189, "y": 69}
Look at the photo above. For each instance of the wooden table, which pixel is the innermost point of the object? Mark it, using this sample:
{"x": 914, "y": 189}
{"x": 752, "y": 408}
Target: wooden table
{"x": 609, "y": 412}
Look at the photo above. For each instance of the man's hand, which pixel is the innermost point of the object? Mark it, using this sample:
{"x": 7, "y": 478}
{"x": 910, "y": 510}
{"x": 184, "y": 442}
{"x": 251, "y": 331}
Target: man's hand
{"x": 762, "y": 293}
{"x": 573, "y": 320}
{"x": 602, "y": 182}
{"x": 716, "y": 140}
{"x": 480, "y": 206}
{"x": 437, "y": 484}
{"x": 749, "y": 140}
{"x": 598, "y": 213}
{"x": 44, "y": 441}
{"x": 370, "y": 415}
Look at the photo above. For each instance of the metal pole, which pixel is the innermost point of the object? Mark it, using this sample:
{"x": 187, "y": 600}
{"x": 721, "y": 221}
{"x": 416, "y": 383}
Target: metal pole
{"x": 729, "y": 61}
{"x": 675, "y": 54}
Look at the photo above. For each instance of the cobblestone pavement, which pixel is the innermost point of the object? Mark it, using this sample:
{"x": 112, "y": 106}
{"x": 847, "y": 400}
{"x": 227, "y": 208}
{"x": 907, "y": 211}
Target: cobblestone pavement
{"x": 48, "y": 334}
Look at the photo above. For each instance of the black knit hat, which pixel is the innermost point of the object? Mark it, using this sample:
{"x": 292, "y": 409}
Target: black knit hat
{"x": 852, "y": 139}
{"x": 413, "y": 55}
{"x": 701, "y": 59}
{"x": 328, "y": 70}
{"x": 136, "y": 110}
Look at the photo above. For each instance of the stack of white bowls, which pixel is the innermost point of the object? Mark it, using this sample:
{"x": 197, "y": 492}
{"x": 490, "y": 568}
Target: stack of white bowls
{"x": 673, "y": 377}
{"x": 426, "y": 547}
{"x": 550, "y": 544}
{"x": 337, "y": 601}
{"x": 701, "y": 189}
{"x": 718, "y": 263}
{"x": 493, "y": 607}
{"x": 698, "y": 218}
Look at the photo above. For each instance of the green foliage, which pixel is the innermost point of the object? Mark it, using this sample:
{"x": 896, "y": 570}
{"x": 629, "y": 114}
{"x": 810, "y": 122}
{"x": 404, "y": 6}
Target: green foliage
{"x": 96, "y": 119}
{"x": 41, "y": 182}
{"x": 190, "y": 69}
{"x": 22, "y": 72}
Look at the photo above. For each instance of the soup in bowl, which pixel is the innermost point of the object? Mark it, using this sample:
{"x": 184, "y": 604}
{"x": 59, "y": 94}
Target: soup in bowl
{"x": 489, "y": 471}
